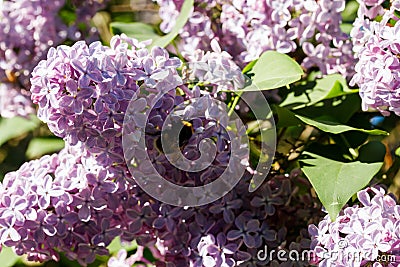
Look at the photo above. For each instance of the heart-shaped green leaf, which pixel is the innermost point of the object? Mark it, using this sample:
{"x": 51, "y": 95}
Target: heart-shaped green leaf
{"x": 336, "y": 127}
{"x": 310, "y": 93}
{"x": 273, "y": 70}
{"x": 336, "y": 182}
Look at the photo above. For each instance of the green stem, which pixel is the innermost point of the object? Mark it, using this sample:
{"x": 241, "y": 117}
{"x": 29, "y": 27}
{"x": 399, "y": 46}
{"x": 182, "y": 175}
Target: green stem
{"x": 352, "y": 151}
{"x": 234, "y": 103}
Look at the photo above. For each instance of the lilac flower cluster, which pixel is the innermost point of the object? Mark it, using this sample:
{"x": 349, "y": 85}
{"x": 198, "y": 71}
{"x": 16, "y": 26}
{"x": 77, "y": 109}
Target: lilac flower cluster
{"x": 14, "y": 101}
{"x": 364, "y": 235}
{"x": 83, "y": 91}
{"x": 27, "y": 30}
{"x": 69, "y": 203}
{"x": 216, "y": 67}
{"x": 76, "y": 202}
{"x": 377, "y": 47}
{"x": 232, "y": 230}
{"x": 48, "y": 206}
{"x": 246, "y": 29}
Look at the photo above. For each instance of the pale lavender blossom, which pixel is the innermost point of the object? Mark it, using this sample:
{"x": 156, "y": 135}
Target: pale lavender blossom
{"x": 27, "y": 31}
{"x": 77, "y": 201}
{"x": 360, "y": 234}
{"x": 246, "y": 29}
{"x": 377, "y": 46}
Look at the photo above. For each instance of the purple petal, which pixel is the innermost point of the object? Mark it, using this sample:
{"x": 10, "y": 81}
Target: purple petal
{"x": 71, "y": 217}
{"x": 49, "y": 230}
{"x": 249, "y": 241}
{"x": 234, "y": 234}
{"x": 135, "y": 226}
{"x": 253, "y": 225}
{"x": 84, "y": 213}
{"x": 159, "y": 223}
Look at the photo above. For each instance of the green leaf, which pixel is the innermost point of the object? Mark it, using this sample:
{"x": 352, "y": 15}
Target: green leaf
{"x": 41, "y": 145}
{"x": 183, "y": 17}
{"x": 310, "y": 93}
{"x": 339, "y": 109}
{"x": 288, "y": 118}
{"x": 138, "y": 30}
{"x": 336, "y": 127}
{"x": 7, "y": 257}
{"x": 14, "y": 127}
{"x": 350, "y": 12}
{"x": 273, "y": 70}
{"x": 334, "y": 181}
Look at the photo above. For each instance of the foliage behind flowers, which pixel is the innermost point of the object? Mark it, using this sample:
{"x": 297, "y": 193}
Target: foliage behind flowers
{"x": 85, "y": 204}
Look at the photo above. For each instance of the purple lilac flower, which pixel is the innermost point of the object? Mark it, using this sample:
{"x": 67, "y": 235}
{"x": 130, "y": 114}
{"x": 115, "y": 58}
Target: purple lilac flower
{"x": 77, "y": 88}
{"x": 77, "y": 201}
{"x": 41, "y": 211}
{"x": 83, "y": 98}
{"x": 246, "y": 29}
{"x": 361, "y": 234}
{"x": 377, "y": 46}
{"x": 14, "y": 100}
{"x": 191, "y": 236}
{"x": 28, "y": 30}
{"x": 215, "y": 67}
{"x": 23, "y": 40}
{"x": 222, "y": 242}
{"x": 23, "y": 43}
